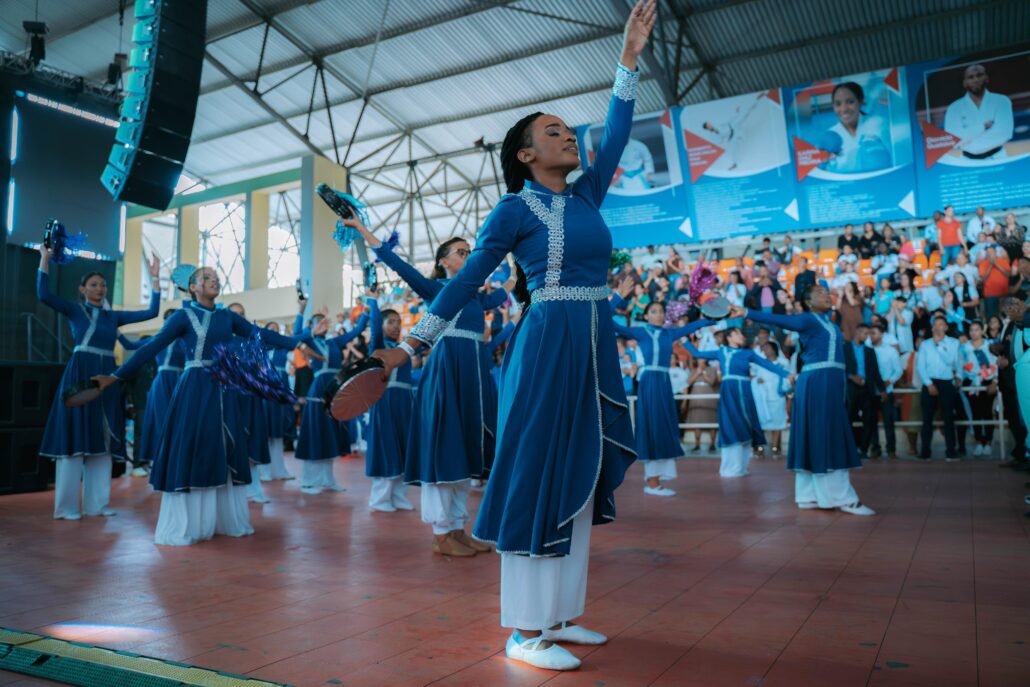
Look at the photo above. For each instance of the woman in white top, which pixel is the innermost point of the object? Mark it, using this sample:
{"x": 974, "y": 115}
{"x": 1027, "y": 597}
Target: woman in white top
{"x": 858, "y": 142}
{"x": 769, "y": 397}
{"x": 735, "y": 294}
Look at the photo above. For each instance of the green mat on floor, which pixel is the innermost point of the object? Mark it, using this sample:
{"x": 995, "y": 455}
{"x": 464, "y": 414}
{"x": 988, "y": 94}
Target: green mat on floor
{"x": 85, "y": 665}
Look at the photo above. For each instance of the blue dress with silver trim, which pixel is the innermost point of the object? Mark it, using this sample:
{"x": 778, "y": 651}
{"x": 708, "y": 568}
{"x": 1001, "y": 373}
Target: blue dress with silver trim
{"x": 171, "y": 362}
{"x": 320, "y": 435}
{"x": 445, "y": 442}
{"x": 657, "y": 416}
{"x": 821, "y": 439}
{"x": 278, "y": 416}
{"x": 390, "y": 418}
{"x": 487, "y": 365}
{"x": 204, "y": 444}
{"x": 95, "y": 428}
{"x": 738, "y": 414}
{"x": 563, "y": 432}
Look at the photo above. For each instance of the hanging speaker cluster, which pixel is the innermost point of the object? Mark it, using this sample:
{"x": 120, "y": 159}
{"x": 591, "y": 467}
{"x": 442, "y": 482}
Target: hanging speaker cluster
{"x": 157, "y": 114}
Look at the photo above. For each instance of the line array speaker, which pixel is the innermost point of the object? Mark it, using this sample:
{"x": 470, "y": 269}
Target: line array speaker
{"x": 157, "y": 114}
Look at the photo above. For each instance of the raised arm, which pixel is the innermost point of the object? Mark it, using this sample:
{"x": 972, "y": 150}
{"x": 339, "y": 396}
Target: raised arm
{"x": 688, "y": 329}
{"x": 173, "y": 329}
{"x": 131, "y": 316}
{"x": 795, "y": 323}
{"x": 706, "y": 355}
{"x": 619, "y": 121}
{"x": 345, "y": 338}
{"x": 496, "y": 239}
{"x": 767, "y": 364}
{"x": 422, "y": 285}
{"x": 128, "y": 344}
{"x": 66, "y": 308}
{"x": 494, "y": 299}
{"x": 626, "y": 332}
{"x": 241, "y": 326}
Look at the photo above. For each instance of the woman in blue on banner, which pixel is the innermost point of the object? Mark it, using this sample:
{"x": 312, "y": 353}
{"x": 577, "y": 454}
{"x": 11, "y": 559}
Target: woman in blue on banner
{"x": 822, "y": 446}
{"x": 564, "y": 439}
{"x": 858, "y": 142}
{"x": 84, "y": 439}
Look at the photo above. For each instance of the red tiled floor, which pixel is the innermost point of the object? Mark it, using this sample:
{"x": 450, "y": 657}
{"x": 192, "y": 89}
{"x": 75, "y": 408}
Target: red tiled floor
{"x": 725, "y": 584}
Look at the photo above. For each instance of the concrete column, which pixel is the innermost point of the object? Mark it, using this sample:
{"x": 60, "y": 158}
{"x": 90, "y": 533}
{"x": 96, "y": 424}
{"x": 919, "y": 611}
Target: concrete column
{"x": 189, "y": 235}
{"x": 256, "y": 274}
{"x": 132, "y": 264}
{"x": 321, "y": 262}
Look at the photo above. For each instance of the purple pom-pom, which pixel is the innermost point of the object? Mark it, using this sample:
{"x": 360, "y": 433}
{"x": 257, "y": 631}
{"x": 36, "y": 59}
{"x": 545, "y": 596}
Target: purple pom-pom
{"x": 676, "y": 311}
{"x": 244, "y": 367}
{"x": 702, "y": 280}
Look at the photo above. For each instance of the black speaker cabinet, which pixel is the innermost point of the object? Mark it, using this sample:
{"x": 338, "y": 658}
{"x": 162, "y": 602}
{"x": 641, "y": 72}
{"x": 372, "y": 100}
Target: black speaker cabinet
{"x": 26, "y": 393}
{"x": 21, "y": 467}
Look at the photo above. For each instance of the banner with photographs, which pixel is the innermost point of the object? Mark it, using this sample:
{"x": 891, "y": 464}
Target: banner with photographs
{"x": 741, "y": 174}
{"x": 647, "y": 202}
{"x": 851, "y": 140}
{"x": 971, "y": 115}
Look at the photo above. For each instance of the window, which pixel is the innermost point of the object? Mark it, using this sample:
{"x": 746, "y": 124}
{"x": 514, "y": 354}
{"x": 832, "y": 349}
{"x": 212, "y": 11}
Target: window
{"x": 160, "y": 238}
{"x": 223, "y": 242}
{"x": 283, "y": 238}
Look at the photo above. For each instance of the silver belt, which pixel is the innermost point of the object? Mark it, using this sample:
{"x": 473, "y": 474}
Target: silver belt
{"x": 739, "y": 378}
{"x": 94, "y": 350}
{"x": 398, "y": 385}
{"x": 198, "y": 363}
{"x": 311, "y": 399}
{"x": 169, "y": 368}
{"x": 462, "y": 334}
{"x": 825, "y": 365}
{"x": 281, "y": 369}
{"x": 569, "y": 293}
{"x": 327, "y": 371}
{"x": 653, "y": 368}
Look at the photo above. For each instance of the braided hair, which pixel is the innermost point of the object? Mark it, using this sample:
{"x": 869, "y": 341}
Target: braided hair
{"x": 515, "y": 175}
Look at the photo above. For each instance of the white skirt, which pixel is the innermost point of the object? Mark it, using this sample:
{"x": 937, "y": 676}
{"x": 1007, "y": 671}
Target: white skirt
{"x": 199, "y": 514}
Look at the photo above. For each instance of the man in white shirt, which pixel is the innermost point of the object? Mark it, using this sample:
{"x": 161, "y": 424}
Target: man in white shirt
{"x": 978, "y": 224}
{"x": 980, "y": 119}
{"x": 962, "y": 265}
{"x": 939, "y": 364}
{"x": 889, "y": 362}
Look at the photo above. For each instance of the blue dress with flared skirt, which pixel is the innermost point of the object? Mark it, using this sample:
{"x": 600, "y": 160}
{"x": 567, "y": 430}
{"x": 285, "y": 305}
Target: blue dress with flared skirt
{"x": 563, "y": 433}
{"x": 95, "y": 428}
{"x": 390, "y": 418}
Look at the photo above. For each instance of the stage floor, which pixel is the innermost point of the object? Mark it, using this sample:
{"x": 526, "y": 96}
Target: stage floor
{"x": 726, "y": 584}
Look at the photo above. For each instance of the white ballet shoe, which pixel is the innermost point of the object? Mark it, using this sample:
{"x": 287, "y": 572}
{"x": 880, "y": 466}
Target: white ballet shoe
{"x": 103, "y": 512}
{"x": 857, "y": 509}
{"x": 311, "y": 490}
{"x": 259, "y": 499}
{"x": 69, "y": 516}
{"x": 139, "y": 472}
{"x": 335, "y": 487}
{"x": 806, "y": 505}
{"x": 384, "y": 508}
{"x": 528, "y": 651}
{"x": 659, "y": 491}
{"x": 575, "y": 634}
{"x": 401, "y": 504}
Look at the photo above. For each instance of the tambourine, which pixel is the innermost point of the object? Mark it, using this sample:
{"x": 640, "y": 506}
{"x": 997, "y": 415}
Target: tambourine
{"x": 355, "y": 389}
{"x": 716, "y": 307}
{"x": 82, "y": 393}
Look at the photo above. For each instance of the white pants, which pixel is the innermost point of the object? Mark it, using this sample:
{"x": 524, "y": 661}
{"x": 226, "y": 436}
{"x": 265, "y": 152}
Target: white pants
{"x": 735, "y": 460}
{"x": 445, "y": 506}
{"x": 93, "y": 474}
{"x": 199, "y": 514}
{"x": 664, "y": 469}
{"x": 829, "y": 490}
{"x": 537, "y": 593}
{"x": 387, "y": 492}
{"x": 254, "y": 490}
{"x": 318, "y": 473}
{"x": 277, "y": 468}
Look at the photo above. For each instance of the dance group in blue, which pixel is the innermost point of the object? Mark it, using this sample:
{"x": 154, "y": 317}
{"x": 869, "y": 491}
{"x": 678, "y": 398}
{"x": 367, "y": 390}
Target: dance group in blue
{"x": 555, "y": 436}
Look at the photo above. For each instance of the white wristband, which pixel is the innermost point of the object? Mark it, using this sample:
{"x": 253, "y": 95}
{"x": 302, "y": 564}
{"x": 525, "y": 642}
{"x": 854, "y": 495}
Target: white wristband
{"x": 406, "y": 347}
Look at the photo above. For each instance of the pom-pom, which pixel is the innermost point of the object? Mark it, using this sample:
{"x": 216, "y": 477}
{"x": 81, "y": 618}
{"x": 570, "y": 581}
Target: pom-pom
{"x": 245, "y": 367}
{"x": 676, "y": 311}
{"x": 702, "y": 279}
{"x": 65, "y": 246}
{"x": 393, "y": 241}
{"x": 344, "y": 235}
{"x": 618, "y": 260}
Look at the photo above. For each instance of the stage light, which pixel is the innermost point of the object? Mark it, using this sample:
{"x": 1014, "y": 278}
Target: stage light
{"x": 10, "y": 206}
{"x": 14, "y": 135}
{"x": 37, "y": 43}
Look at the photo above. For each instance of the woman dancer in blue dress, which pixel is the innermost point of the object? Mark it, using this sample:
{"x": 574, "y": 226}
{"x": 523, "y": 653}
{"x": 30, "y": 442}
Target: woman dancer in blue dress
{"x": 739, "y": 428}
{"x": 202, "y": 458}
{"x": 171, "y": 362}
{"x": 446, "y": 440}
{"x": 278, "y": 416}
{"x": 83, "y": 440}
{"x": 487, "y": 350}
{"x": 822, "y": 446}
{"x": 657, "y": 416}
{"x": 318, "y": 443}
{"x": 389, "y": 420}
{"x": 564, "y": 435}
